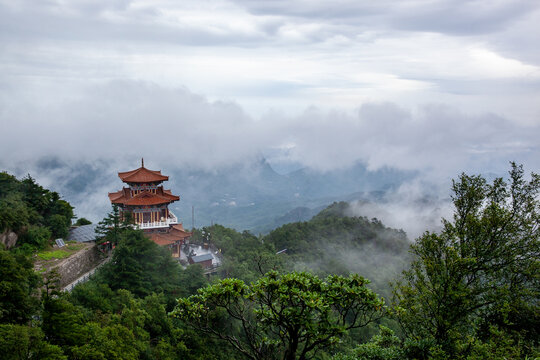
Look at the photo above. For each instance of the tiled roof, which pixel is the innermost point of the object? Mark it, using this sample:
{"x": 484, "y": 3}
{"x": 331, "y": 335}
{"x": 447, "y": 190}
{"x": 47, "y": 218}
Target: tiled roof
{"x": 83, "y": 233}
{"x": 201, "y": 258}
{"x": 178, "y": 230}
{"x": 174, "y": 234}
{"x": 163, "y": 239}
{"x": 143, "y": 198}
{"x": 115, "y": 197}
{"x": 180, "y": 227}
{"x": 142, "y": 175}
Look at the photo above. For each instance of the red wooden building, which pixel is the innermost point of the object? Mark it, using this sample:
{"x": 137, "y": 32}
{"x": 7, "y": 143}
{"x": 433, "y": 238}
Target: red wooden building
{"x": 147, "y": 202}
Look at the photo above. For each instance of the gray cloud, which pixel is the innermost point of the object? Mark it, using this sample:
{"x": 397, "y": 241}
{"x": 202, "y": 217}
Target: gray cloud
{"x": 131, "y": 119}
{"x": 463, "y": 18}
{"x": 416, "y": 206}
{"x": 115, "y": 23}
{"x": 103, "y": 128}
{"x": 445, "y": 16}
{"x": 433, "y": 138}
{"x": 126, "y": 118}
{"x": 434, "y": 86}
{"x": 339, "y": 54}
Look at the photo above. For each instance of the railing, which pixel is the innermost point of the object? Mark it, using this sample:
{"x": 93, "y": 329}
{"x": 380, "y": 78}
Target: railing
{"x": 171, "y": 220}
{"x": 86, "y": 276}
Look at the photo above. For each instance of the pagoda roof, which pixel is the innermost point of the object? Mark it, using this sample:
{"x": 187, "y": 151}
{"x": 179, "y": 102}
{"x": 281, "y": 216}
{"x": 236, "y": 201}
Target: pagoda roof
{"x": 146, "y": 197}
{"x": 142, "y": 175}
{"x": 175, "y": 233}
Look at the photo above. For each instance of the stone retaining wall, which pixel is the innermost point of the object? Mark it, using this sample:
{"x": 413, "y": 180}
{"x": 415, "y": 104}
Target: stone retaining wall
{"x": 78, "y": 264}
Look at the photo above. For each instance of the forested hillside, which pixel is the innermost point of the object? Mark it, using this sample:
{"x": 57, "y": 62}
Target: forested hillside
{"x": 34, "y": 213}
{"x": 468, "y": 292}
{"x": 333, "y": 243}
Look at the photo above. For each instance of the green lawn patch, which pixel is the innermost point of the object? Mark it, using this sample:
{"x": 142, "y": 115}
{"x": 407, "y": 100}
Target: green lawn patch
{"x": 74, "y": 247}
{"x": 56, "y": 254}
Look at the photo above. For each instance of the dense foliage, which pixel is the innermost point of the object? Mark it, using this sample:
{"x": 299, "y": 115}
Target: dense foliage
{"x": 481, "y": 275}
{"x": 334, "y": 243}
{"x": 100, "y": 319}
{"x": 18, "y": 284}
{"x": 289, "y": 316}
{"x": 82, "y": 221}
{"x": 245, "y": 256}
{"x": 468, "y": 292}
{"x": 33, "y": 212}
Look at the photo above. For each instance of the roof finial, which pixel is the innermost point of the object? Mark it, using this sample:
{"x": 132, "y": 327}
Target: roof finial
{"x": 142, "y": 162}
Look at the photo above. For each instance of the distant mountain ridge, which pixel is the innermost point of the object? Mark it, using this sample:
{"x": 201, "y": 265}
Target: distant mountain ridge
{"x": 250, "y": 196}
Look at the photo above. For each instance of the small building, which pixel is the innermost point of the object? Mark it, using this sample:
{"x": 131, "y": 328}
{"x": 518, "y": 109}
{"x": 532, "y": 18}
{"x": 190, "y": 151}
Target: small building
{"x": 205, "y": 260}
{"x": 83, "y": 233}
{"x": 146, "y": 202}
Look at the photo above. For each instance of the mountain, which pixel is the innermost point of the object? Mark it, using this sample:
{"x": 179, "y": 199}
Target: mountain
{"x": 255, "y": 197}
{"x": 250, "y": 196}
{"x": 334, "y": 242}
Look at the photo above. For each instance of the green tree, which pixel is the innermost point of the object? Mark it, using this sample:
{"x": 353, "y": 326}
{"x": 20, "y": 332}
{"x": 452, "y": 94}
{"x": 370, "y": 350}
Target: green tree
{"x": 141, "y": 266}
{"x": 62, "y": 208}
{"x": 112, "y": 226}
{"x": 384, "y": 346}
{"x": 18, "y": 284}
{"x": 289, "y": 316}
{"x": 481, "y": 270}
{"x": 82, "y": 221}
{"x": 26, "y": 202}
{"x": 36, "y": 236}
{"x": 192, "y": 278}
{"x": 8, "y": 184}
{"x": 112, "y": 342}
{"x": 245, "y": 256}
{"x": 333, "y": 242}
{"x": 37, "y": 198}
{"x": 93, "y": 296}
{"x": 19, "y": 342}
{"x": 63, "y": 323}
{"x": 57, "y": 225}
{"x": 14, "y": 213}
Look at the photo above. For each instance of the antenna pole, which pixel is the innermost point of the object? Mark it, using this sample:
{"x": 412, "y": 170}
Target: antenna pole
{"x": 192, "y": 217}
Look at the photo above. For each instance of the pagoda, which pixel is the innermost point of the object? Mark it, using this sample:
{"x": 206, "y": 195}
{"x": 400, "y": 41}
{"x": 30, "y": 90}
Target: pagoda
{"x": 147, "y": 202}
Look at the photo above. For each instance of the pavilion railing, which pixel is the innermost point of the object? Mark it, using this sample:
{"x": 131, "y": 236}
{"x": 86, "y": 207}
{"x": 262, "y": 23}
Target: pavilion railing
{"x": 171, "y": 220}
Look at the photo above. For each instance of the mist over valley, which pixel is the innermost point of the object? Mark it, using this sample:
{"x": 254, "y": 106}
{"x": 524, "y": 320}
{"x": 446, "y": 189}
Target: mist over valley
{"x": 252, "y": 196}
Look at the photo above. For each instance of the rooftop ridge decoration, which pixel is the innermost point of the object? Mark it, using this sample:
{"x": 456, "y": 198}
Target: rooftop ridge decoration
{"x": 142, "y": 175}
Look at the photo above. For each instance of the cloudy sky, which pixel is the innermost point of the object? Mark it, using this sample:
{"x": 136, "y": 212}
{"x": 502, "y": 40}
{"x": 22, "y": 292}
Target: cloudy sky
{"x": 439, "y": 86}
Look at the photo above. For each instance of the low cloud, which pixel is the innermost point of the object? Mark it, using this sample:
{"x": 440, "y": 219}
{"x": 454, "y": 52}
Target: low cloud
{"x": 416, "y": 207}
{"x": 126, "y": 120}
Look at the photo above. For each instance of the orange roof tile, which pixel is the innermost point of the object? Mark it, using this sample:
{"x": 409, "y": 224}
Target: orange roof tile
{"x": 170, "y": 237}
{"x": 114, "y": 196}
{"x": 163, "y": 239}
{"x": 143, "y": 198}
{"x": 142, "y": 175}
{"x": 178, "y": 230}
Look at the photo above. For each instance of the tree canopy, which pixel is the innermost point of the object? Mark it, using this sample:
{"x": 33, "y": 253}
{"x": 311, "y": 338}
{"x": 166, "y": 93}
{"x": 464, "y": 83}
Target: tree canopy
{"x": 18, "y": 284}
{"x": 481, "y": 274}
{"x": 25, "y": 205}
{"x": 282, "y": 316}
{"x": 470, "y": 291}
{"x": 142, "y": 267}
{"x": 333, "y": 242}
